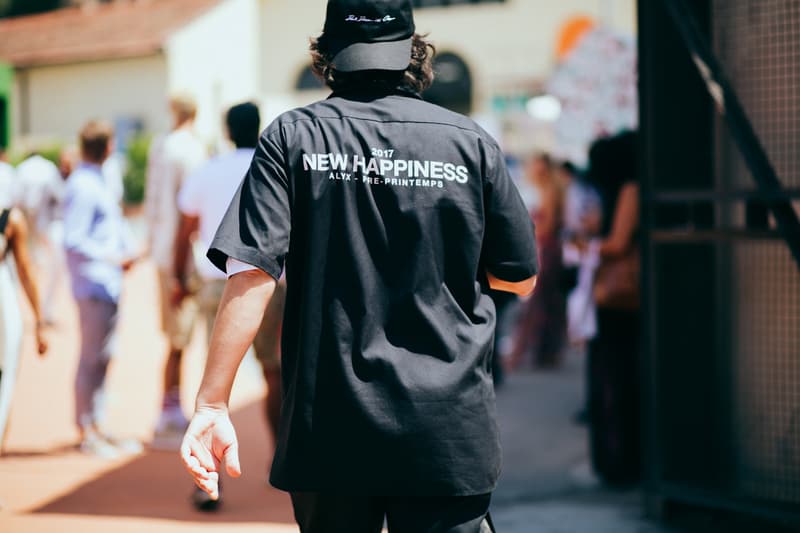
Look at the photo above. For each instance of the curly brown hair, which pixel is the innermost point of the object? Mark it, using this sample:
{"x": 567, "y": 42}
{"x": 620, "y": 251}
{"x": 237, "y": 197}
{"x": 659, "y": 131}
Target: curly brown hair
{"x": 417, "y": 77}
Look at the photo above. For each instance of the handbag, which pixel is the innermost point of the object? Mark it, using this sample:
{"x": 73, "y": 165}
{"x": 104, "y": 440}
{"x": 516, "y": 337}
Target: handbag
{"x": 616, "y": 282}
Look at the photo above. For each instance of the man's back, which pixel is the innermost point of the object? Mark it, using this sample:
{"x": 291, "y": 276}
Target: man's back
{"x": 207, "y": 193}
{"x": 93, "y": 235}
{"x": 387, "y": 210}
{"x": 171, "y": 159}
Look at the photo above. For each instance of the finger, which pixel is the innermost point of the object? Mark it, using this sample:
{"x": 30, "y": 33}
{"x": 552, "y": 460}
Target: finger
{"x": 198, "y": 428}
{"x": 189, "y": 461}
{"x": 210, "y": 487}
{"x": 191, "y": 455}
{"x": 203, "y": 455}
{"x": 194, "y": 468}
{"x": 231, "y": 457}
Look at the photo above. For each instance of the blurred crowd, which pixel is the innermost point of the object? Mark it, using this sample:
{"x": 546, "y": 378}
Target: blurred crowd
{"x": 587, "y": 293}
{"x": 69, "y": 215}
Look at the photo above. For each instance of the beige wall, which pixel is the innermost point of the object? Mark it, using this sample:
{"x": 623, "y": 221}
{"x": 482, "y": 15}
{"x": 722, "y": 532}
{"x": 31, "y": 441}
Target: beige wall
{"x": 216, "y": 58}
{"x": 503, "y": 43}
{"x": 53, "y": 102}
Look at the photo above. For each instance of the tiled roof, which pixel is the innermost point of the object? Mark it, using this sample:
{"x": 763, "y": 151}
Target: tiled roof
{"x": 127, "y": 28}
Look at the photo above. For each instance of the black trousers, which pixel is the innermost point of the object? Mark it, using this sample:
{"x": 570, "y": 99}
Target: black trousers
{"x": 341, "y": 512}
{"x": 614, "y": 397}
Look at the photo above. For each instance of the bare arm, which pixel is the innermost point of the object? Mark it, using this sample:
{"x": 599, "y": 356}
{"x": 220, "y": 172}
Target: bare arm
{"x": 240, "y": 311}
{"x": 211, "y": 438}
{"x": 521, "y": 288}
{"x": 626, "y": 220}
{"x": 17, "y": 233}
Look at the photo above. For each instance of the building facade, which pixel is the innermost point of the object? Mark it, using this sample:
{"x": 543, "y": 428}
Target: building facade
{"x": 120, "y": 60}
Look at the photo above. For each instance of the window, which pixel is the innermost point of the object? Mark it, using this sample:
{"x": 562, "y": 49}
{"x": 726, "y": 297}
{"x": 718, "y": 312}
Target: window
{"x": 448, "y": 3}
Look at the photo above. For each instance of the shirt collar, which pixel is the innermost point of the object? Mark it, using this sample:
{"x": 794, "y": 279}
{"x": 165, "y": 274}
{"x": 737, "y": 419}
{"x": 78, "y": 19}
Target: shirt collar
{"x": 366, "y": 93}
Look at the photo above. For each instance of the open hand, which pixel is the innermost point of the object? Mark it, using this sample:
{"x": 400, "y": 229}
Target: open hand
{"x": 209, "y": 440}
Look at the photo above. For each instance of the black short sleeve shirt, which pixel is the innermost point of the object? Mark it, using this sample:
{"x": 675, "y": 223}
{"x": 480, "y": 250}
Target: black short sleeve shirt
{"x": 386, "y": 213}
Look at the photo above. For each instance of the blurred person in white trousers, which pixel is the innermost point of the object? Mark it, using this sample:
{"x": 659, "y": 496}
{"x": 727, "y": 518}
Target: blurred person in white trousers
{"x": 171, "y": 160}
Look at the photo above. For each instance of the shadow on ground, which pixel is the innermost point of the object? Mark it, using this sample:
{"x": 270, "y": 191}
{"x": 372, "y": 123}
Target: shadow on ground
{"x": 155, "y": 485}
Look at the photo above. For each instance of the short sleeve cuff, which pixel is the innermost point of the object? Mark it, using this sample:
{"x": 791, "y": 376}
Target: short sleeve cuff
{"x": 219, "y": 254}
{"x": 234, "y": 266}
{"x": 514, "y": 272}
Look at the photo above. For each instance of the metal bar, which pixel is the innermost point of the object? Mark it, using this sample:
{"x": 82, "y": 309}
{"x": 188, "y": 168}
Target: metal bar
{"x": 724, "y": 196}
{"x": 741, "y": 129}
{"x": 780, "y": 514}
{"x": 650, "y": 392}
{"x": 690, "y": 235}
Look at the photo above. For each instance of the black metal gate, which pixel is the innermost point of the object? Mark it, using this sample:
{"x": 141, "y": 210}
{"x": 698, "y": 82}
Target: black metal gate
{"x": 720, "y": 130}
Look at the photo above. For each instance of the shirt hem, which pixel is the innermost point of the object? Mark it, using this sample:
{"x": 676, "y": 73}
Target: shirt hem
{"x": 414, "y": 487}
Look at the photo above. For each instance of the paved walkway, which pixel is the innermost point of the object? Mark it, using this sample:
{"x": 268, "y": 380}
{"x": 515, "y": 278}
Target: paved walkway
{"x": 547, "y": 484}
{"x": 46, "y": 486}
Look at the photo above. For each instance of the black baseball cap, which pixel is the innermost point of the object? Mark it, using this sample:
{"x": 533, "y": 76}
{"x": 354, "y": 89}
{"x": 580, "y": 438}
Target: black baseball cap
{"x": 369, "y": 34}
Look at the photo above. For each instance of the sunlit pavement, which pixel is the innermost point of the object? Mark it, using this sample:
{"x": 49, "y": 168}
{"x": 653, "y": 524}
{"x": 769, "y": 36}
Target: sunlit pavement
{"x": 547, "y": 485}
{"x": 47, "y": 486}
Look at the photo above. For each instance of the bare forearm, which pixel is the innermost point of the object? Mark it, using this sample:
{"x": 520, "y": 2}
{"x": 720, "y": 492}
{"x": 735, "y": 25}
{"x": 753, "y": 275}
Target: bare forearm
{"x": 18, "y": 240}
{"x": 613, "y": 247}
{"x": 31, "y": 291}
{"x": 238, "y": 319}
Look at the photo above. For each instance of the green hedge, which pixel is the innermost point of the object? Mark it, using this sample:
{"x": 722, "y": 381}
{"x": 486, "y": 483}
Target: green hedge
{"x": 134, "y": 179}
{"x": 50, "y": 151}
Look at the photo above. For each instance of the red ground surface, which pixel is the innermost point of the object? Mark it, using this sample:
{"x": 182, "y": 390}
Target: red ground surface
{"x": 47, "y": 486}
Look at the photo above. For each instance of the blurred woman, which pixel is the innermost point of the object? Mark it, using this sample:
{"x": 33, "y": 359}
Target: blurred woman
{"x": 614, "y": 352}
{"x": 541, "y": 329}
{"x": 13, "y": 245}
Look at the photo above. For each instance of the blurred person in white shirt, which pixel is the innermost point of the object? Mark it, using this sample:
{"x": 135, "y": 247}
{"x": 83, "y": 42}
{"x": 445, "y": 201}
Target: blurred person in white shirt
{"x": 113, "y": 170}
{"x": 203, "y": 200}
{"x": 171, "y": 160}
{"x": 39, "y": 192}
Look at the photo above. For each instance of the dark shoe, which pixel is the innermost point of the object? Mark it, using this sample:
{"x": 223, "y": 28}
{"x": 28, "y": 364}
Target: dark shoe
{"x": 203, "y": 502}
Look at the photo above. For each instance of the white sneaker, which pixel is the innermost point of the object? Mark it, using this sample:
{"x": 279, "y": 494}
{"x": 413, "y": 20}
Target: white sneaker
{"x": 169, "y": 431}
{"x": 124, "y": 445}
{"x": 95, "y": 445}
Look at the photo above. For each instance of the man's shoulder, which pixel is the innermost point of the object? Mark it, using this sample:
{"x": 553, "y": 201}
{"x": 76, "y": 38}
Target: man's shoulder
{"x": 180, "y": 143}
{"x": 288, "y": 118}
{"x": 36, "y": 167}
{"x": 6, "y": 169}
